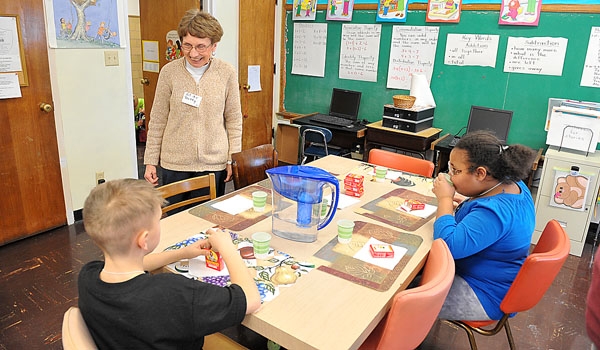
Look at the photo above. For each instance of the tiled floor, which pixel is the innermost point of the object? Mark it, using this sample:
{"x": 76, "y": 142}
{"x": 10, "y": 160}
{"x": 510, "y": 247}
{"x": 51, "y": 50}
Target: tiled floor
{"x": 38, "y": 283}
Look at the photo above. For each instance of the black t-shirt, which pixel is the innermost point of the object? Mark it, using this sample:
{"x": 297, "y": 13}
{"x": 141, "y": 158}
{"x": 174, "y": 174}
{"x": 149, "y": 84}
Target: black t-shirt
{"x": 162, "y": 311}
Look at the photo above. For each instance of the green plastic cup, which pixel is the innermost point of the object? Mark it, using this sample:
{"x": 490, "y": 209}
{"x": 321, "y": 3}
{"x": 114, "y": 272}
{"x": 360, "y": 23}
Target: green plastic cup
{"x": 380, "y": 173}
{"x": 261, "y": 242}
{"x": 345, "y": 228}
{"x": 323, "y": 208}
{"x": 259, "y": 200}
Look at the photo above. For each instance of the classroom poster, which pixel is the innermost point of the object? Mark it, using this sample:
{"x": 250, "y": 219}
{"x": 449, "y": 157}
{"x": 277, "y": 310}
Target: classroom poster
{"x": 520, "y": 13}
{"x": 392, "y": 10}
{"x": 443, "y": 11}
{"x": 412, "y": 50}
{"x": 591, "y": 68}
{"x": 339, "y": 10}
{"x": 539, "y": 55}
{"x": 359, "y": 52}
{"x": 471, "y": 50}
{"x": 305, "y": 10}
{"x": 309, "y": 48}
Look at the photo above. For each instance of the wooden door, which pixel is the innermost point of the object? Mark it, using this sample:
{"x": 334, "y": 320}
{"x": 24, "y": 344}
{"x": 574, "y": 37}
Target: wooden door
{"x": 31, "y": 185}
{"x": 157, "y": 18}
{"x": 256, "y": 45}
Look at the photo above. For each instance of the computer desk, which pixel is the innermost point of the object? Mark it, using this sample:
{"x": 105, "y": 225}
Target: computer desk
{"x": 342, "y": 137}
{"x": 414, "y": 142}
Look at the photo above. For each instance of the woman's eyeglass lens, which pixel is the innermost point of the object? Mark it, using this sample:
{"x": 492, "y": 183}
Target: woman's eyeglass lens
{"x": 199, "y": 48}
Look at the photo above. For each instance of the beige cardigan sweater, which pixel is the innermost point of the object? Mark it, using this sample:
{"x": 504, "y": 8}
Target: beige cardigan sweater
{"x": 187, "y": 138}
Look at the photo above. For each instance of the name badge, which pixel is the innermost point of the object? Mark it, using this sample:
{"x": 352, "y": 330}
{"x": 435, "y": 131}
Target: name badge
{"x": 191, "y": 99}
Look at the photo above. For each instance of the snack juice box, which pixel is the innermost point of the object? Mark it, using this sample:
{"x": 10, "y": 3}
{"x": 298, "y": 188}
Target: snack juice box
{"x": 381, "y": 251}
{"x": 214, "y": 261}
{"x": 351, "y": 193}
{"x": 413, "y": 204}
{"x": 354, "y": 188}
{"x": 354, "y": 179}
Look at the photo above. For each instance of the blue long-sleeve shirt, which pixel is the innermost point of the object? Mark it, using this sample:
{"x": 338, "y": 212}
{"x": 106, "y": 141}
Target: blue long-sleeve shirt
{"x": 489, "y": 239}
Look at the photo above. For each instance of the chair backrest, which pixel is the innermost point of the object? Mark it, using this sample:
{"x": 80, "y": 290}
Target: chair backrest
{"x": 415, "y": 310}
{"x": 312, "y": 133}
{"x": 249, "y": 166}
{"x": 401, "y": 162}
{"x": 75, "y": 334}
{"x": 183, "y": 186}
{"x": 539, "y": 270}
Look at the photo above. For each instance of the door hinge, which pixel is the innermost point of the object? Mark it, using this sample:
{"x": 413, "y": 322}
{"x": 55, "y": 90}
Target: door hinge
{"x": 274, "y": 68}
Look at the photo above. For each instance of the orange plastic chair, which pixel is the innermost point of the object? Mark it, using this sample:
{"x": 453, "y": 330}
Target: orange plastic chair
{"x": 533, "y": 280}
{"x": 415, "y": 310}
{"x": 401, "y": 162}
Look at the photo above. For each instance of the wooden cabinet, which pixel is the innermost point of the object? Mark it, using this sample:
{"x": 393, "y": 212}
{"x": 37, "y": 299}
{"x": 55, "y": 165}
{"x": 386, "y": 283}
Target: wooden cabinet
{"x": 575, "y": 222}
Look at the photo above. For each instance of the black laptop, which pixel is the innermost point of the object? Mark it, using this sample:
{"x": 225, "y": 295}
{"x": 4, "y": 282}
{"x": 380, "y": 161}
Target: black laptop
{"x": 343, "y": 109}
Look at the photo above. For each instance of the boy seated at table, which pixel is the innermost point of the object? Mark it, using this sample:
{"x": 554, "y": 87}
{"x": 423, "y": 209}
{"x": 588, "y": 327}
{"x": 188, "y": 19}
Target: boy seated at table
{"x": 125, "y": 307}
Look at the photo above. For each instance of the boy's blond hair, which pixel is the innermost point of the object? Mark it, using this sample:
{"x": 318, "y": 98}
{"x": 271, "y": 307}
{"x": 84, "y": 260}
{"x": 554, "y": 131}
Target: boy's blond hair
{"x": 117, "y": 210}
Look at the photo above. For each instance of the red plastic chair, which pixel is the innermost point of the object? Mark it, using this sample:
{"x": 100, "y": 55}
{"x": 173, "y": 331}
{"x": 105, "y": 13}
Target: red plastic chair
{"x": 415, "y": 310}
{"x": 533, "y": 280}
{"x": 401, "y": 162}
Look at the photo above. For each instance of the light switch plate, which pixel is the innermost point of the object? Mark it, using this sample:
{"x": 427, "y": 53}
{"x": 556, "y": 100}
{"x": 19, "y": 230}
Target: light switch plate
{"x": 111, "y": 58}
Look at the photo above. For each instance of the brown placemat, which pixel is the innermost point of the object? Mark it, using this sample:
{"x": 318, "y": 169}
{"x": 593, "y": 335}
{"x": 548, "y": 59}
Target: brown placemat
{"x": 384, "y": 209}
{"x": 345, "y": 266}
{"x": 237, "y": 222}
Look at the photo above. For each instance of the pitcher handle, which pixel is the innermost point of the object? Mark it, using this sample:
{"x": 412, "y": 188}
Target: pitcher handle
{"x": 334, "y": 204}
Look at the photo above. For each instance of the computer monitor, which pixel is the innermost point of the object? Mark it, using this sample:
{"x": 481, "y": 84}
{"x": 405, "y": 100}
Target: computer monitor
{"x": 494, "y": 120}
{"x": 345, "y": 103}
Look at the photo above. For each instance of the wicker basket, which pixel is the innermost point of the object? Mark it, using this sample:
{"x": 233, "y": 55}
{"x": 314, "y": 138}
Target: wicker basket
{"x": 404, "y": 101}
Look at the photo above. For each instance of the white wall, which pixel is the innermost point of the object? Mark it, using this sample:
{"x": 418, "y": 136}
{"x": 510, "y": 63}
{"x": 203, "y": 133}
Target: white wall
{"x": 94, "y": 116}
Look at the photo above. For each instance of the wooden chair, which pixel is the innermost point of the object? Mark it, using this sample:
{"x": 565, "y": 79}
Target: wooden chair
{"x": 249, "y": 166}
{"x": 76, "y": 336}
{"x": 533, "y": 280}
{"x": 314, "y": 143}
{"x": 415, "y": 310}
{"x": 184, "y": 186}
{"x": 401, "y": 162}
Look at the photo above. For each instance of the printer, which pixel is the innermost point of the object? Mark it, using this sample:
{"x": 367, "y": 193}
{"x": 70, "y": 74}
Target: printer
{"x": 412, "y": 119}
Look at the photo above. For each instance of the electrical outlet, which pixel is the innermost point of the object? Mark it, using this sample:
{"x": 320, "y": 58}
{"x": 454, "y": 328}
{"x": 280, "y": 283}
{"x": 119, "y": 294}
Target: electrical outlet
{"x": 99, "y": 177}
{"x": 111, "y": 58}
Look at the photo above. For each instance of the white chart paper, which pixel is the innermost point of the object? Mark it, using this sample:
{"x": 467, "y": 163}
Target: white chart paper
{"x": 540, "y": 55}
{"x": 310, "y": 46}
{"x": 359, "y": 53}
{"x": 591, "y": 69}
{"x": 471, "y": 50}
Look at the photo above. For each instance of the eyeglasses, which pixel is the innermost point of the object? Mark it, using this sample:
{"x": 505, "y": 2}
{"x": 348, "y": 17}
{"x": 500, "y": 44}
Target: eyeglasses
{"x": 201, "y": 48}
{"x": 452, "y": 170}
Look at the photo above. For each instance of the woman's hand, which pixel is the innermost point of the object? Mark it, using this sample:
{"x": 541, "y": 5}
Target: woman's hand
{"x": 150, "y": 174}
{"x": 229, "y": 173}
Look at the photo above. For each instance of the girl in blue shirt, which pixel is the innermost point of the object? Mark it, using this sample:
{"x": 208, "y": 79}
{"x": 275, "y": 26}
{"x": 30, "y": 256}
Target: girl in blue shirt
{"x": 489, "y": 233}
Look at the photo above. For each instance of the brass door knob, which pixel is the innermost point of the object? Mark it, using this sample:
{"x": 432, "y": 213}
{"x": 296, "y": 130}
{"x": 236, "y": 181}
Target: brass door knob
{"x": 145, "y": 81}
{"x": 45, "y": 107}
{"x": 246, "y": 87}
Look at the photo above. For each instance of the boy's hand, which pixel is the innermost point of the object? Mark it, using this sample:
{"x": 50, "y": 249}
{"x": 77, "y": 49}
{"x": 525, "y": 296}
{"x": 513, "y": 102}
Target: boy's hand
{"x": 219, "y": 240}
{"x": 195, "y": 249}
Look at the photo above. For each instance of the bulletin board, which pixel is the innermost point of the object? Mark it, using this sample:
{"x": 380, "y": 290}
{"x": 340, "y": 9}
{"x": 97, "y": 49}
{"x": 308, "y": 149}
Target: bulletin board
{"x": 455, "y": 88}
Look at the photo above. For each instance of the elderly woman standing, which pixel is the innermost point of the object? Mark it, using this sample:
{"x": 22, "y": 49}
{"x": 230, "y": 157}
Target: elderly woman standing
{"x": 196, "y": 120}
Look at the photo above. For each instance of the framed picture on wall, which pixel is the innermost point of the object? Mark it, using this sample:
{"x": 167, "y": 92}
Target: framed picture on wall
{"x": 520, "y": 12}
{"x": 443, "y": 11}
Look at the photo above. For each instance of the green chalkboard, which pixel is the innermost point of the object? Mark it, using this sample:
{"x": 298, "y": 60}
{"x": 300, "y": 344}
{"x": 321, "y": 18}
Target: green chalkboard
{"x": 456, "y": 88}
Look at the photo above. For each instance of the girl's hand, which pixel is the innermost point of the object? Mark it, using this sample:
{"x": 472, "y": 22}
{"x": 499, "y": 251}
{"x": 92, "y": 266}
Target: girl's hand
{"x": 442, "y": 187}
